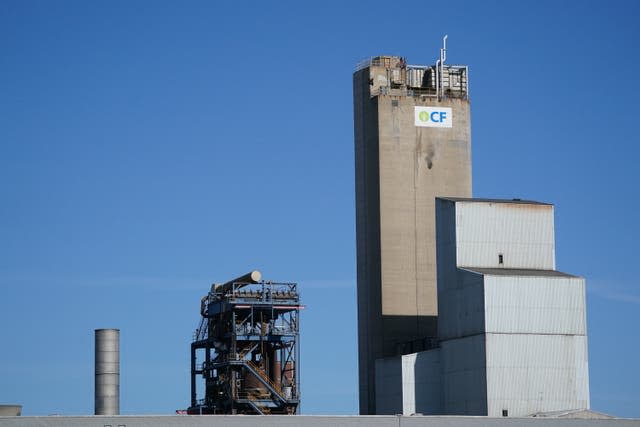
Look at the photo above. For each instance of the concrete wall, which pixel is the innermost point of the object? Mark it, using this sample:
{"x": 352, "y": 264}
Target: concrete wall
{"x": 390, "y": 392}
{"x": 400, "y": 169}
{"x": 367, "y": 238}
{"x": 416, "y": 165}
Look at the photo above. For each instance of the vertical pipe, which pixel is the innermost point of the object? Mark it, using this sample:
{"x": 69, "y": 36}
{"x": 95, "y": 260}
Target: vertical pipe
{"x": 234, "y": 356}
{"x": 282, "y": 360}
{"x": 466, "y": 75}
{"x": 296, "y": 362}
{"x": 107, "y": 372}
{"x": 443, "y": 57}
{"x": 234, "y": 391}
{"x": 194, "y": 398}
{"x": 276, "y": 374}
{"x": 438, "y": 79}
{"x": 444, "y": 48}
{"x": 440, "y": 95}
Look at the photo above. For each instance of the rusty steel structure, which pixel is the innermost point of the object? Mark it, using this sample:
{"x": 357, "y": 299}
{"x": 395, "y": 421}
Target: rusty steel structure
{"x": 246, "y": 348}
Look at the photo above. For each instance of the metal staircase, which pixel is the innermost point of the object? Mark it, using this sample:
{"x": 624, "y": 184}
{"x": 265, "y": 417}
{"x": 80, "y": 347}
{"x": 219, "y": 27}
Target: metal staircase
{"x": 264, "y": 379}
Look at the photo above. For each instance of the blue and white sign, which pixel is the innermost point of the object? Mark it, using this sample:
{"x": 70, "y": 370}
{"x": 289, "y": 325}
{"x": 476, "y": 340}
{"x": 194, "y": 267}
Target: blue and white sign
{"x": 434, "y": 117}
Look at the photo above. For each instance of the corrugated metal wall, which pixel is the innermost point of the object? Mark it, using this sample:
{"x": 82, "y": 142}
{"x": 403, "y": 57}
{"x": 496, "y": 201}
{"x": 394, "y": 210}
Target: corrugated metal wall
{"x": 522, "y": 233}
{"x": 409, "y": 384}
{"x": 462, "y": 306}
{"x": 513, "y": 341}
{"x": 464, "y": 377}
{"x": 528, "y": 373}
{"x": 422, "y": 383}
{"x": 535, "y": 305}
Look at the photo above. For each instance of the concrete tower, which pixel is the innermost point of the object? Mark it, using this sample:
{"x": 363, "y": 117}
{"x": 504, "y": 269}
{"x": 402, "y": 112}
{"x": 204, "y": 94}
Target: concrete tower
{"x": 412, "y": 144}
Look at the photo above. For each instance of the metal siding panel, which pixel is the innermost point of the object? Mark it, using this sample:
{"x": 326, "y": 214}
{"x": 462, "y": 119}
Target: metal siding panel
{"x": 581, "y": 361}
{"x": 447, "y": 272}
{"x": 409, "y": 384}
{"x": 523, "y": 233}
{"x": 462, "y": 307}
{"x": 464, "y": 376}
{"x": 529, "y": 373}
{"x": 428, "y": 383}
{"x": 538, "y": 305}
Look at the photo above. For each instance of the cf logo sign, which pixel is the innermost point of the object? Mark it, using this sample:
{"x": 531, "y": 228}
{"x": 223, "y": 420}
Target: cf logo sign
{"x": 434, "y": 116}
{"x": 437, "y": 117}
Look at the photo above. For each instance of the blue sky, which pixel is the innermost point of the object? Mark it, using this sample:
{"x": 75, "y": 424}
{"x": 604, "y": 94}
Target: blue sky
{"x": 148, "y": 149}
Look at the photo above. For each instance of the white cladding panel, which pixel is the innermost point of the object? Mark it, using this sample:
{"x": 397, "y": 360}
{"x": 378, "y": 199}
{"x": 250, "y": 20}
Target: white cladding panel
{"x": 529, "y": 373}
{"x": 409, "y": 384}
{"x": 422, "y": 383}
{"x": 464, "y": 376}
{"x": 522, "y": 233}
{"x": 389, "y": 386}
{"x": 461, "y": 305}
{"x": 535, "y": 305}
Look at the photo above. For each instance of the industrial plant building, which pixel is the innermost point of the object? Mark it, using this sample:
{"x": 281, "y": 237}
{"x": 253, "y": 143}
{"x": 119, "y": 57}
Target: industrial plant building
{"x": 246, "y": 348}
{"x": 463, "y": 318}
{"x": 460, "y": 308}
{"x": 511, "y": 330}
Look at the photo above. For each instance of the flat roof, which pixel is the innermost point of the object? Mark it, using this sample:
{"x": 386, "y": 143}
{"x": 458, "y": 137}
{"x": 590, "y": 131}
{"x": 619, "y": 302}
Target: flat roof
{"x": 483, "y": 200}
{"x": 304, "y": 421}
{"x": 517, "y": 272}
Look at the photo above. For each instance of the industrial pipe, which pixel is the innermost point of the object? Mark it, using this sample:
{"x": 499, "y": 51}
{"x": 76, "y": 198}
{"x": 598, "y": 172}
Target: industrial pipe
{"x": 440, "y": 68}
{"x": 444, "y": 48}
{"x": 107, "y": 372}
{"x": 252, "y": 277}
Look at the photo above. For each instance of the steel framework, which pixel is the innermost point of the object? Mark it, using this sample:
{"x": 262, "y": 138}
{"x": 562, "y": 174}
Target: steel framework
{"x": 249, "y": 334}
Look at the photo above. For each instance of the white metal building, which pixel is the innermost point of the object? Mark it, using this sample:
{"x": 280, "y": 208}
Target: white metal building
{"x": 512, "y": 329}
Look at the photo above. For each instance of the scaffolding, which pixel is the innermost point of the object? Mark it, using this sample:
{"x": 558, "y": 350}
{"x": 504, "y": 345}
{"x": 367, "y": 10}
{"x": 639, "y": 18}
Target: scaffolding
{"x": 246, "y": 348}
